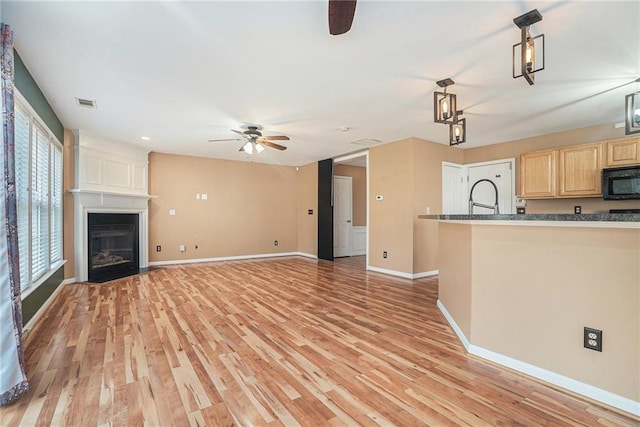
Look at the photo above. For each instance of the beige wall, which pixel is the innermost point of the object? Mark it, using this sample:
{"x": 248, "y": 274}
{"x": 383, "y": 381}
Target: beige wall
{"x": 249, "y": 206}
{"x": 308, "y": 199}
{"x": 534, "y": 289}
{"x": 391, "y": 219}
{"x": 427, "y": 194}
{"x": 68, "y": 178}
{"x": 554, "y": 140}
{"x": 359, "y": 190}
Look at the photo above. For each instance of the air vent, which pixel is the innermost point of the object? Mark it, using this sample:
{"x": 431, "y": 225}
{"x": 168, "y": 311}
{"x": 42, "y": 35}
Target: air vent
{"x": 366, "y": 141}
{"x": 87, "y": 103}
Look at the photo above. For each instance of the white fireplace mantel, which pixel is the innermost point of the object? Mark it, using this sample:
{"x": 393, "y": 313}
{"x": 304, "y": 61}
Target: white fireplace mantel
{"x": 111, "y": 177}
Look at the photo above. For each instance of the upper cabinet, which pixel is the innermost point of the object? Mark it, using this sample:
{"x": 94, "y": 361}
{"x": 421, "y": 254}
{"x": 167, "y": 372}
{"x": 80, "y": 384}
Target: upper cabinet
{"x": 565, "y": 172}
{"x": 625, "y": 151}
{"x": 538, "y": 174}
{"x": 579, "y": 170}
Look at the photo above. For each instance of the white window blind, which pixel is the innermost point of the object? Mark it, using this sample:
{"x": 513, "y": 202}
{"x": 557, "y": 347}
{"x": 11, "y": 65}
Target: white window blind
{"x": 22, "y": 162}
{"x": 38, "y": 160}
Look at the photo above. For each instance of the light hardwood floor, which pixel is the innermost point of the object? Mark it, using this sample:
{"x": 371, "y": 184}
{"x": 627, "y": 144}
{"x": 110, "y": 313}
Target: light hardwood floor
{"x": 283, "y": 341}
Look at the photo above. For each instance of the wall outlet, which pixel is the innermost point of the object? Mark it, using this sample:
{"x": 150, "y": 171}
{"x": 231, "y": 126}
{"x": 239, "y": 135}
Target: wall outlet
{"x": 172, "y": 212}
{"x": 384, "y": 254}
{"x": 182, "y": 248}
{"x": 158, "y": 248}
{"x": 310, "y": 212}
{"x": 577, "y": 209}
{"x": 275, "y": 243}
{"x": 592, "y": 339}
{"x": 204, "y": 196}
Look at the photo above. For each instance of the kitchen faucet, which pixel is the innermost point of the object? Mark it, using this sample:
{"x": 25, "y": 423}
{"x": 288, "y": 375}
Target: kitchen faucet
{"x": 495, "y": 208}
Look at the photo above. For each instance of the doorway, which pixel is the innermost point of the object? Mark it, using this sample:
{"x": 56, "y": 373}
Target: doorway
{"x": 351, "y": 210}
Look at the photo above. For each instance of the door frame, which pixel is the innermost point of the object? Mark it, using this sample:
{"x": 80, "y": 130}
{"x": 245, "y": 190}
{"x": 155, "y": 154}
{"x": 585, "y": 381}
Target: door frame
{"x": 350, "y": 156}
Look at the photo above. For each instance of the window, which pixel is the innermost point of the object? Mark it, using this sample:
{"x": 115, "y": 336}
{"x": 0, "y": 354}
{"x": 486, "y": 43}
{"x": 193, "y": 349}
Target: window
{"x": 38, "y": 157}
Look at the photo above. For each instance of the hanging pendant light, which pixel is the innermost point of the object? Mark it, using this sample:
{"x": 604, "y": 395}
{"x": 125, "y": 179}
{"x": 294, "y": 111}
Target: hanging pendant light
{"x": 458, "y": 131}
{"x": 530, "y": 47}
{"x": 632, "y": 113}
{"x": 444, "y": 104}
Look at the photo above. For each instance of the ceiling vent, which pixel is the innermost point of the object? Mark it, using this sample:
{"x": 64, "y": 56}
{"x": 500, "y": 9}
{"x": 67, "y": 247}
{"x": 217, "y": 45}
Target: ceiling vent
{"x": 87, "y": 103}
{"x": 366, "y": 141}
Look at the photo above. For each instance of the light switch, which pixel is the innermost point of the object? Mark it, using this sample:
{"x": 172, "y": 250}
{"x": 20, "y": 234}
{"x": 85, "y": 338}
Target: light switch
{"x": 172, "y": 212}
{"x": 198, "y": 196}
{"x": 204, "y": 196}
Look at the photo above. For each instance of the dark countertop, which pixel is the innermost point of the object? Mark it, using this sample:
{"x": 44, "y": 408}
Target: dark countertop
{"x": 635, "y": 217}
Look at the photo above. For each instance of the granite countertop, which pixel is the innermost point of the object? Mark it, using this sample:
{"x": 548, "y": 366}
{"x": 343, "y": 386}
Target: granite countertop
{"x": 635, "y": 217}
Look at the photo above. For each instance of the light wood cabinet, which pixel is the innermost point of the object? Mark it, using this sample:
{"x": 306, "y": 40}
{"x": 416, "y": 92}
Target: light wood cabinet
{"x": 622, "y": 152}
{"x": 538, "y": 174}
{"x": 580, "y": 170}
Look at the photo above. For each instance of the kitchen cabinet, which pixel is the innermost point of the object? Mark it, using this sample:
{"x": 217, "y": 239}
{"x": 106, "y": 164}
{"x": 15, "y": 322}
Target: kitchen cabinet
{"x": 562, "y": 173}
{"x": 579, "y": 170}
{"x": 625, "y": 151}
{"x": 538, "y": 174}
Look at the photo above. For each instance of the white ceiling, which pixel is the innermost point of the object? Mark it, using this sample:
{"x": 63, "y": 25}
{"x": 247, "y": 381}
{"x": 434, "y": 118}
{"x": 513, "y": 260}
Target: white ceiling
{"x": 185, "y": 72}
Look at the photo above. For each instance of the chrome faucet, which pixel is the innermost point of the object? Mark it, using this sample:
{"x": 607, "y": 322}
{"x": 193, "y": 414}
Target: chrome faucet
{"x": 495, "y": 208}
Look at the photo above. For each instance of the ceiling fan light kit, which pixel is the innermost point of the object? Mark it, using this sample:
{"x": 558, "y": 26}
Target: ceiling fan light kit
{"x": 529, "y": 47}
{"x": 256, "y": 143}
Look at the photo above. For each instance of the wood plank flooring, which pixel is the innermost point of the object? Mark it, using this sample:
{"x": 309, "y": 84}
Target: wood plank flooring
{"x": 277, "y": 342}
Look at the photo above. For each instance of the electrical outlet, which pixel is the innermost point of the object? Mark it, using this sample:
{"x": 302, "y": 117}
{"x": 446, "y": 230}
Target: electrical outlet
{"x": 577, "y": 210}
{"x": 592, "y": 339}
{"x": 182, "y": 248}
{"x": 158, "y": 248}
{"x": 310, "y": 212}
{"x": 384, "y": 254}
{"x": 275, "y": 243}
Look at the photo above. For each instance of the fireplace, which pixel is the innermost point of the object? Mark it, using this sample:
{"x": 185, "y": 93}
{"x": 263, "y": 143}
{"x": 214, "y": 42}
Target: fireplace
{"x": 113, "y": 246}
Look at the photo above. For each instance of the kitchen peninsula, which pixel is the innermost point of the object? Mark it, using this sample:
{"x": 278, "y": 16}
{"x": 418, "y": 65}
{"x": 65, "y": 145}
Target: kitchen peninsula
{"x": 519, "y": 290}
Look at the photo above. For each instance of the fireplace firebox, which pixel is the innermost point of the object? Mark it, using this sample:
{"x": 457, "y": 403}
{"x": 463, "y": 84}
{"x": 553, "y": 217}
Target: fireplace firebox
{"x": 113, "y": 246}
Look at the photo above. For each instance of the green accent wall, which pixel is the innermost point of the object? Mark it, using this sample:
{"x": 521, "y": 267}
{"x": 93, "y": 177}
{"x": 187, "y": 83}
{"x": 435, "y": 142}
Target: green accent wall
{"x": 29, "y": 89}
{"x": 36, "y": 299}
{"x": 32, "y": 93}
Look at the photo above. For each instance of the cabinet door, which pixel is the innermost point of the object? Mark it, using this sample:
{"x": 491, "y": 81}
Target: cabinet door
{"x": 580, "y": 170}
{"x": 538, "y": 174}
{"x": 622, "y": 152}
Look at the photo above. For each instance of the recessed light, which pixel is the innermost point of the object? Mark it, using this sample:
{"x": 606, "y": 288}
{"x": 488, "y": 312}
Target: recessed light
{"x": 145, "y": 138}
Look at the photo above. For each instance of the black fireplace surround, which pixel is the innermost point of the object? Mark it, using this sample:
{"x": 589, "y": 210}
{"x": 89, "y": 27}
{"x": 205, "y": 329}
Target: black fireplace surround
{"x": 113, "y": 246}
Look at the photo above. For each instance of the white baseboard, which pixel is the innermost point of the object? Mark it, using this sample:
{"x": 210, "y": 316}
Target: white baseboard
{"x": 231, "y": 258}
{"x": 402, "y": 273}
{"x": 426, "y": 274}
{"x": 578, "y": 387}
{"x": 36, "y": 317}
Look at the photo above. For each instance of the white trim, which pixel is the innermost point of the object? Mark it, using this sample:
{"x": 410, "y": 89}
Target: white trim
{"x": 69, "y": 281}
{"x": 461, "y": 336}
{"x": 232, "y": 258}
{"x": 426, "y": 274}
{"x": 351, "y": 156}
{"x": 38, "y": 314}
{"x": 587, "y": 390}
{"x": 390, "y": 272}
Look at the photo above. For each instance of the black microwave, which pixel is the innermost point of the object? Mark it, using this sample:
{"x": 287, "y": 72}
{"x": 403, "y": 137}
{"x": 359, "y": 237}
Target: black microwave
{"x": 621, "y": 183}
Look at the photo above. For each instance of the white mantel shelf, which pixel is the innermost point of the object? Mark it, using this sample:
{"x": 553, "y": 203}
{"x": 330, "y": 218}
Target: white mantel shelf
{"x": 111, "y": 193}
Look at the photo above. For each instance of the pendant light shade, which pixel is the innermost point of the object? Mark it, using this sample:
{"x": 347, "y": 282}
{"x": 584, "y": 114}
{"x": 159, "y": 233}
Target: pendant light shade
{"x": 444, "y": 104}
{"x": 528, "y": 55}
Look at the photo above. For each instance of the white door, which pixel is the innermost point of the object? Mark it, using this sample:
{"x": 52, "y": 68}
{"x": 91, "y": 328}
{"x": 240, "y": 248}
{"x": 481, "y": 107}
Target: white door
{"x": 501, "y": 174}
{"x": 454, "y": 189}
{"x": 342, "y": 211}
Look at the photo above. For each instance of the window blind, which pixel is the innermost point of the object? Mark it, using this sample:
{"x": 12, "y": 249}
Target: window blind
{"x": 22, "y": 161}
{"x": 39, "y": 204}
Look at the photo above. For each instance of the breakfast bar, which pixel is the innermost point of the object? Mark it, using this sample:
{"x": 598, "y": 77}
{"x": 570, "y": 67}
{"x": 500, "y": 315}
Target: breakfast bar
{"x": 520, "y": 289}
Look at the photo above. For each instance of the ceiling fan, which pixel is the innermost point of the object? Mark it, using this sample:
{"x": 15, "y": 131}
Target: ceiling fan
{"x": 255, "y": 141}
{"x": 341, "y": 16}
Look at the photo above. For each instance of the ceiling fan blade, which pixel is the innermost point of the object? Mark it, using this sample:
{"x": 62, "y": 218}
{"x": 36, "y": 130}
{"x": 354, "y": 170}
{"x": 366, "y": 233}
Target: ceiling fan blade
{"x": 241, "y": 148}
{"x": 223, "y": 140}
{"x": 272, "y": 145}
{"x": 238, "y": 132}
{"x": 341, "y": 14}
{"x": 276, "y": 138}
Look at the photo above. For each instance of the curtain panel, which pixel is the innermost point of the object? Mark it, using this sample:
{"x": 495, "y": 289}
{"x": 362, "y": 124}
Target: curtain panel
{"x": 13, "y": 380}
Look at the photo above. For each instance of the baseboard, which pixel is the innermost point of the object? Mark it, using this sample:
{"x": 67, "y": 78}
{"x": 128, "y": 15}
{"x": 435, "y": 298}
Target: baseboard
{"x": 38, "y": 314}
{"x": 426, "y": 274}
{"x": 597, "y": 394}
{"x": 231, "y": 258}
